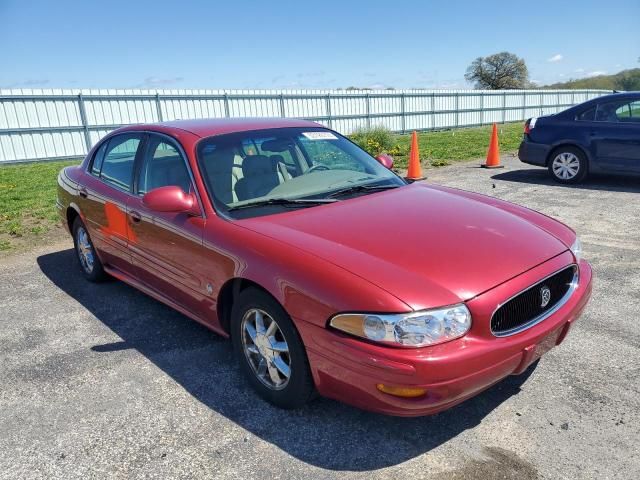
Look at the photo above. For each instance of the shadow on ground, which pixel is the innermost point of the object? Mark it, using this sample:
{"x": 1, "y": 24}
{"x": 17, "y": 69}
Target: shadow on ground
{"x": 540, "y": 176}
{"x": 325, "y": 433}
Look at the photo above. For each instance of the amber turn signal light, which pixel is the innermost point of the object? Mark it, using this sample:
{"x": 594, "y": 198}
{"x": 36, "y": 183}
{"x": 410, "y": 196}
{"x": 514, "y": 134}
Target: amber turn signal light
{"x": 407, "y": 392}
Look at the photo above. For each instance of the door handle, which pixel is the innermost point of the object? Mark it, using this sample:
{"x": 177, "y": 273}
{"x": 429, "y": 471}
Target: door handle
{"x": 83, "y": 192}
{"x": 135, "y": 216}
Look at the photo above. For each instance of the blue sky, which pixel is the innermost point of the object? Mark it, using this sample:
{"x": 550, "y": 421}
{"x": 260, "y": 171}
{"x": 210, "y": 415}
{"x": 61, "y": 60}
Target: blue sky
{"x": 305, "y": 44}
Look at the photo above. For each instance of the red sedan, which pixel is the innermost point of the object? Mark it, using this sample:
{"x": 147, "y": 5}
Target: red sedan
{"x": 329, "y": 272}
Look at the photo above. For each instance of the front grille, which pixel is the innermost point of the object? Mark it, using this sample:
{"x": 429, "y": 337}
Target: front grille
{"x": 526, "y": 308}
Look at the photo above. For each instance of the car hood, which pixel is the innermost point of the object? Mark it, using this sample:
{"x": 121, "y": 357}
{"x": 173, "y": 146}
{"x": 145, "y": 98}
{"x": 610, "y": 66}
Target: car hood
{"x": 428, "y": 246}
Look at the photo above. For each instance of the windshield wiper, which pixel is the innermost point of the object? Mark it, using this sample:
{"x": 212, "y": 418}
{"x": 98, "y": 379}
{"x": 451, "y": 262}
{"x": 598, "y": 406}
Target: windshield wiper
{"x": 285, "y": 202}
{"x": 361, "y": 188}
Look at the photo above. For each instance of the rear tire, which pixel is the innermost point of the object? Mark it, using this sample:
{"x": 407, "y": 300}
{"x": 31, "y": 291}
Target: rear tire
{"x": 90, "y": 264}
{"x": 568, "y": 165}
{"x": 270, "y": 351}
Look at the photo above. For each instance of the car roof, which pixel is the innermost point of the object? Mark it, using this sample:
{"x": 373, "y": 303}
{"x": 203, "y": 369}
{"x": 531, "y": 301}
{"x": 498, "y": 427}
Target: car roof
{"x": 216, "y": 126}
{"x": 597, "y": 100}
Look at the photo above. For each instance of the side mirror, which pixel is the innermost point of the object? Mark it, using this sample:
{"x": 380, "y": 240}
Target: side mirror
{"x": 385, "y": 160}
{"x": 171, "y": 199}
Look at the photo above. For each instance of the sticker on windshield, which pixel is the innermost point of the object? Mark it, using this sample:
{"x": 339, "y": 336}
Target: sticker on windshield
{"x": 320, "y": 135}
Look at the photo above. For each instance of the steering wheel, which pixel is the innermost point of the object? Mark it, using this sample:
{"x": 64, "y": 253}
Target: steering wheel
{"x": 318, "y": 167}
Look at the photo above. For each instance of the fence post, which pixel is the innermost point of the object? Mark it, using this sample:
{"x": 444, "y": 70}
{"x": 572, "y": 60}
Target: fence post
{"x": 158, "y": 107}
{"x": 433, "y": 109}
{"x": 327, "y": 102}
{"x": 403, "y": 114}
{"x": 282, "y": 105}
{"x": 85, "y": 125}
{"x": 504, "y": 107}
{"x": 457, "y": 109}
{"x": 367, "y": 101}
{"x": 482, "y": 108}
{"x": 524, "y": 105}
{"x": 226, "y": 105}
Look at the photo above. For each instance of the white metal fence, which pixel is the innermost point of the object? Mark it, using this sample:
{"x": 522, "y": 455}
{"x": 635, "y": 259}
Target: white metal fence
{"x": 48, "y": 124}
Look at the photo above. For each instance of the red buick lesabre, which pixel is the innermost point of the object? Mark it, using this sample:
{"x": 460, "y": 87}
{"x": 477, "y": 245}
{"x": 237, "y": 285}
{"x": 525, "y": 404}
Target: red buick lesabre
{"x": 329, "y": 272}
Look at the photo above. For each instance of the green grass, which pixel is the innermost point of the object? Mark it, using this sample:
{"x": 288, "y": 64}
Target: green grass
{"x": 27, "y": 202}
{"x": 444, "y": 147}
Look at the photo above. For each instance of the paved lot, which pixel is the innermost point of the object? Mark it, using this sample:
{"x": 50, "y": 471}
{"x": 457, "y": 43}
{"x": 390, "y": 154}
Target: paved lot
{"x": 101, "y": 381}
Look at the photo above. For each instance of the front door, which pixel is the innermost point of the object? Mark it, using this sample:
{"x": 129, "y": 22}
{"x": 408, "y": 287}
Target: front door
{"x": 616, "y": 136}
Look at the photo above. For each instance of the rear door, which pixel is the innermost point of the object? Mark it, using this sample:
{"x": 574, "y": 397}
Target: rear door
{"x": 616, "y": 136}
{"x": 105, "y": 194}
{"x": 167, "y": 247}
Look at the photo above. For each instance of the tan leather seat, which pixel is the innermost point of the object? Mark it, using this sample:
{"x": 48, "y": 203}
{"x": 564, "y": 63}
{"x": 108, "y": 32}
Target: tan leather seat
{"x": 261, "y": 175}
{"x": 221, "y": 169}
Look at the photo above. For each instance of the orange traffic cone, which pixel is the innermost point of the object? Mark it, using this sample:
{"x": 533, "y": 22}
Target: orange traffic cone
{"x": 493, "y": 155}
{"x": 415, "y": 171}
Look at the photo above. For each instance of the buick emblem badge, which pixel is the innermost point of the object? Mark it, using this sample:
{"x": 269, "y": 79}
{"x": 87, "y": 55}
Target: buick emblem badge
{"x": 545, "y": 296}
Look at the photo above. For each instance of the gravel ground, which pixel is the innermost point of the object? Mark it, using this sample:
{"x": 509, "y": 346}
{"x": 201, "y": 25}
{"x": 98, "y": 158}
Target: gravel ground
{"x": 101, "y": 381}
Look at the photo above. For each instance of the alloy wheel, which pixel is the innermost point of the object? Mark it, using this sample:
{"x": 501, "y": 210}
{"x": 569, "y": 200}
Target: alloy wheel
{"x": 85, "y": 250}
{"x": 266, "y": 349}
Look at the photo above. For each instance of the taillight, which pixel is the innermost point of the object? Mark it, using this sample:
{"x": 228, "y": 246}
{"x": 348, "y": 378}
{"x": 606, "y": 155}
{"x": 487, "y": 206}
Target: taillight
{"x": 529, "y": 124}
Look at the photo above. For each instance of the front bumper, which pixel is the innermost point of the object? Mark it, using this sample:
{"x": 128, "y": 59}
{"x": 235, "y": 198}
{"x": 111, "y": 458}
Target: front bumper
{"x": 533, "y": 153}
{"x": 348, "y": 369}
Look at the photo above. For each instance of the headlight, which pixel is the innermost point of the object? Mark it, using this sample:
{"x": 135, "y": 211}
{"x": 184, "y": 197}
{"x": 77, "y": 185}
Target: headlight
{"x": 576, "y": 249}
{"x": 415, "y": 329}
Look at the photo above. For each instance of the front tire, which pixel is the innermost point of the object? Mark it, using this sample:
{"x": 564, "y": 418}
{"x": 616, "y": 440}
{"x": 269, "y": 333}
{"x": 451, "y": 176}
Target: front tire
{"x": 270, "y": 351}
{"x": 568, "y": 165}
{"x": 90, "y": 264}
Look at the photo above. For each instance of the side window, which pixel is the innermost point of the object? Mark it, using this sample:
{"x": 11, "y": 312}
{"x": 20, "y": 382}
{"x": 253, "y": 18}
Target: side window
{"x": 117, "y": 166}
{"x": 98, "y": 158}
{"x": 629, "y": 112}
{"x": 587, "y": 116}
{"x": 606, "y": 112}
{"x": 162, "y": 166}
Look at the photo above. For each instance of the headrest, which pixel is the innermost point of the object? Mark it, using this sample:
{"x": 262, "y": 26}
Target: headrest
{"x": 219, "y": 161}
{"x": 258, "y": 165}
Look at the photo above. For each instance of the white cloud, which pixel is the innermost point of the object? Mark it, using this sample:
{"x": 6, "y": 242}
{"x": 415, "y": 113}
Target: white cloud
{"x": 561, "y": 75}
{"x": 537, "y": 82}
{"x": 595, "y": 73}
{"x": 555, "y": 59}
{"x": 32, "y": 82}
{"x": 579, "y": 70}
{"x": 154, "y": 82}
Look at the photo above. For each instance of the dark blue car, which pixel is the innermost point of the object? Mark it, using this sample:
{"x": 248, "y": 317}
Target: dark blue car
{"x": 598, "y": 136}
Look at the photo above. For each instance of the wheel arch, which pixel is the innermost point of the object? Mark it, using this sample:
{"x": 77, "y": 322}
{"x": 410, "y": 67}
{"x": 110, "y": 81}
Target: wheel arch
{"x": 564, "y": 144}
{"x": 71, "y": 214}
{"x": 229, "y": 293}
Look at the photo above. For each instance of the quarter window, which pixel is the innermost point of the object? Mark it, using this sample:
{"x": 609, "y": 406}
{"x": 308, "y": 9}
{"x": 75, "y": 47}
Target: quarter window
{"x": 98, "y": 158}
{"x": 117, "y": 166}
{"x": 588, "y": 115}
{"x": 163, "y": 165}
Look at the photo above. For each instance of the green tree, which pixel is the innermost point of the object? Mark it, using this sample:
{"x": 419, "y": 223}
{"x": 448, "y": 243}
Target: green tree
{"x": 499, "y": 71}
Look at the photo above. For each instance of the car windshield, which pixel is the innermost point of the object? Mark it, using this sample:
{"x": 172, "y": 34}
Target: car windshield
{"x": 257, "y": 172}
